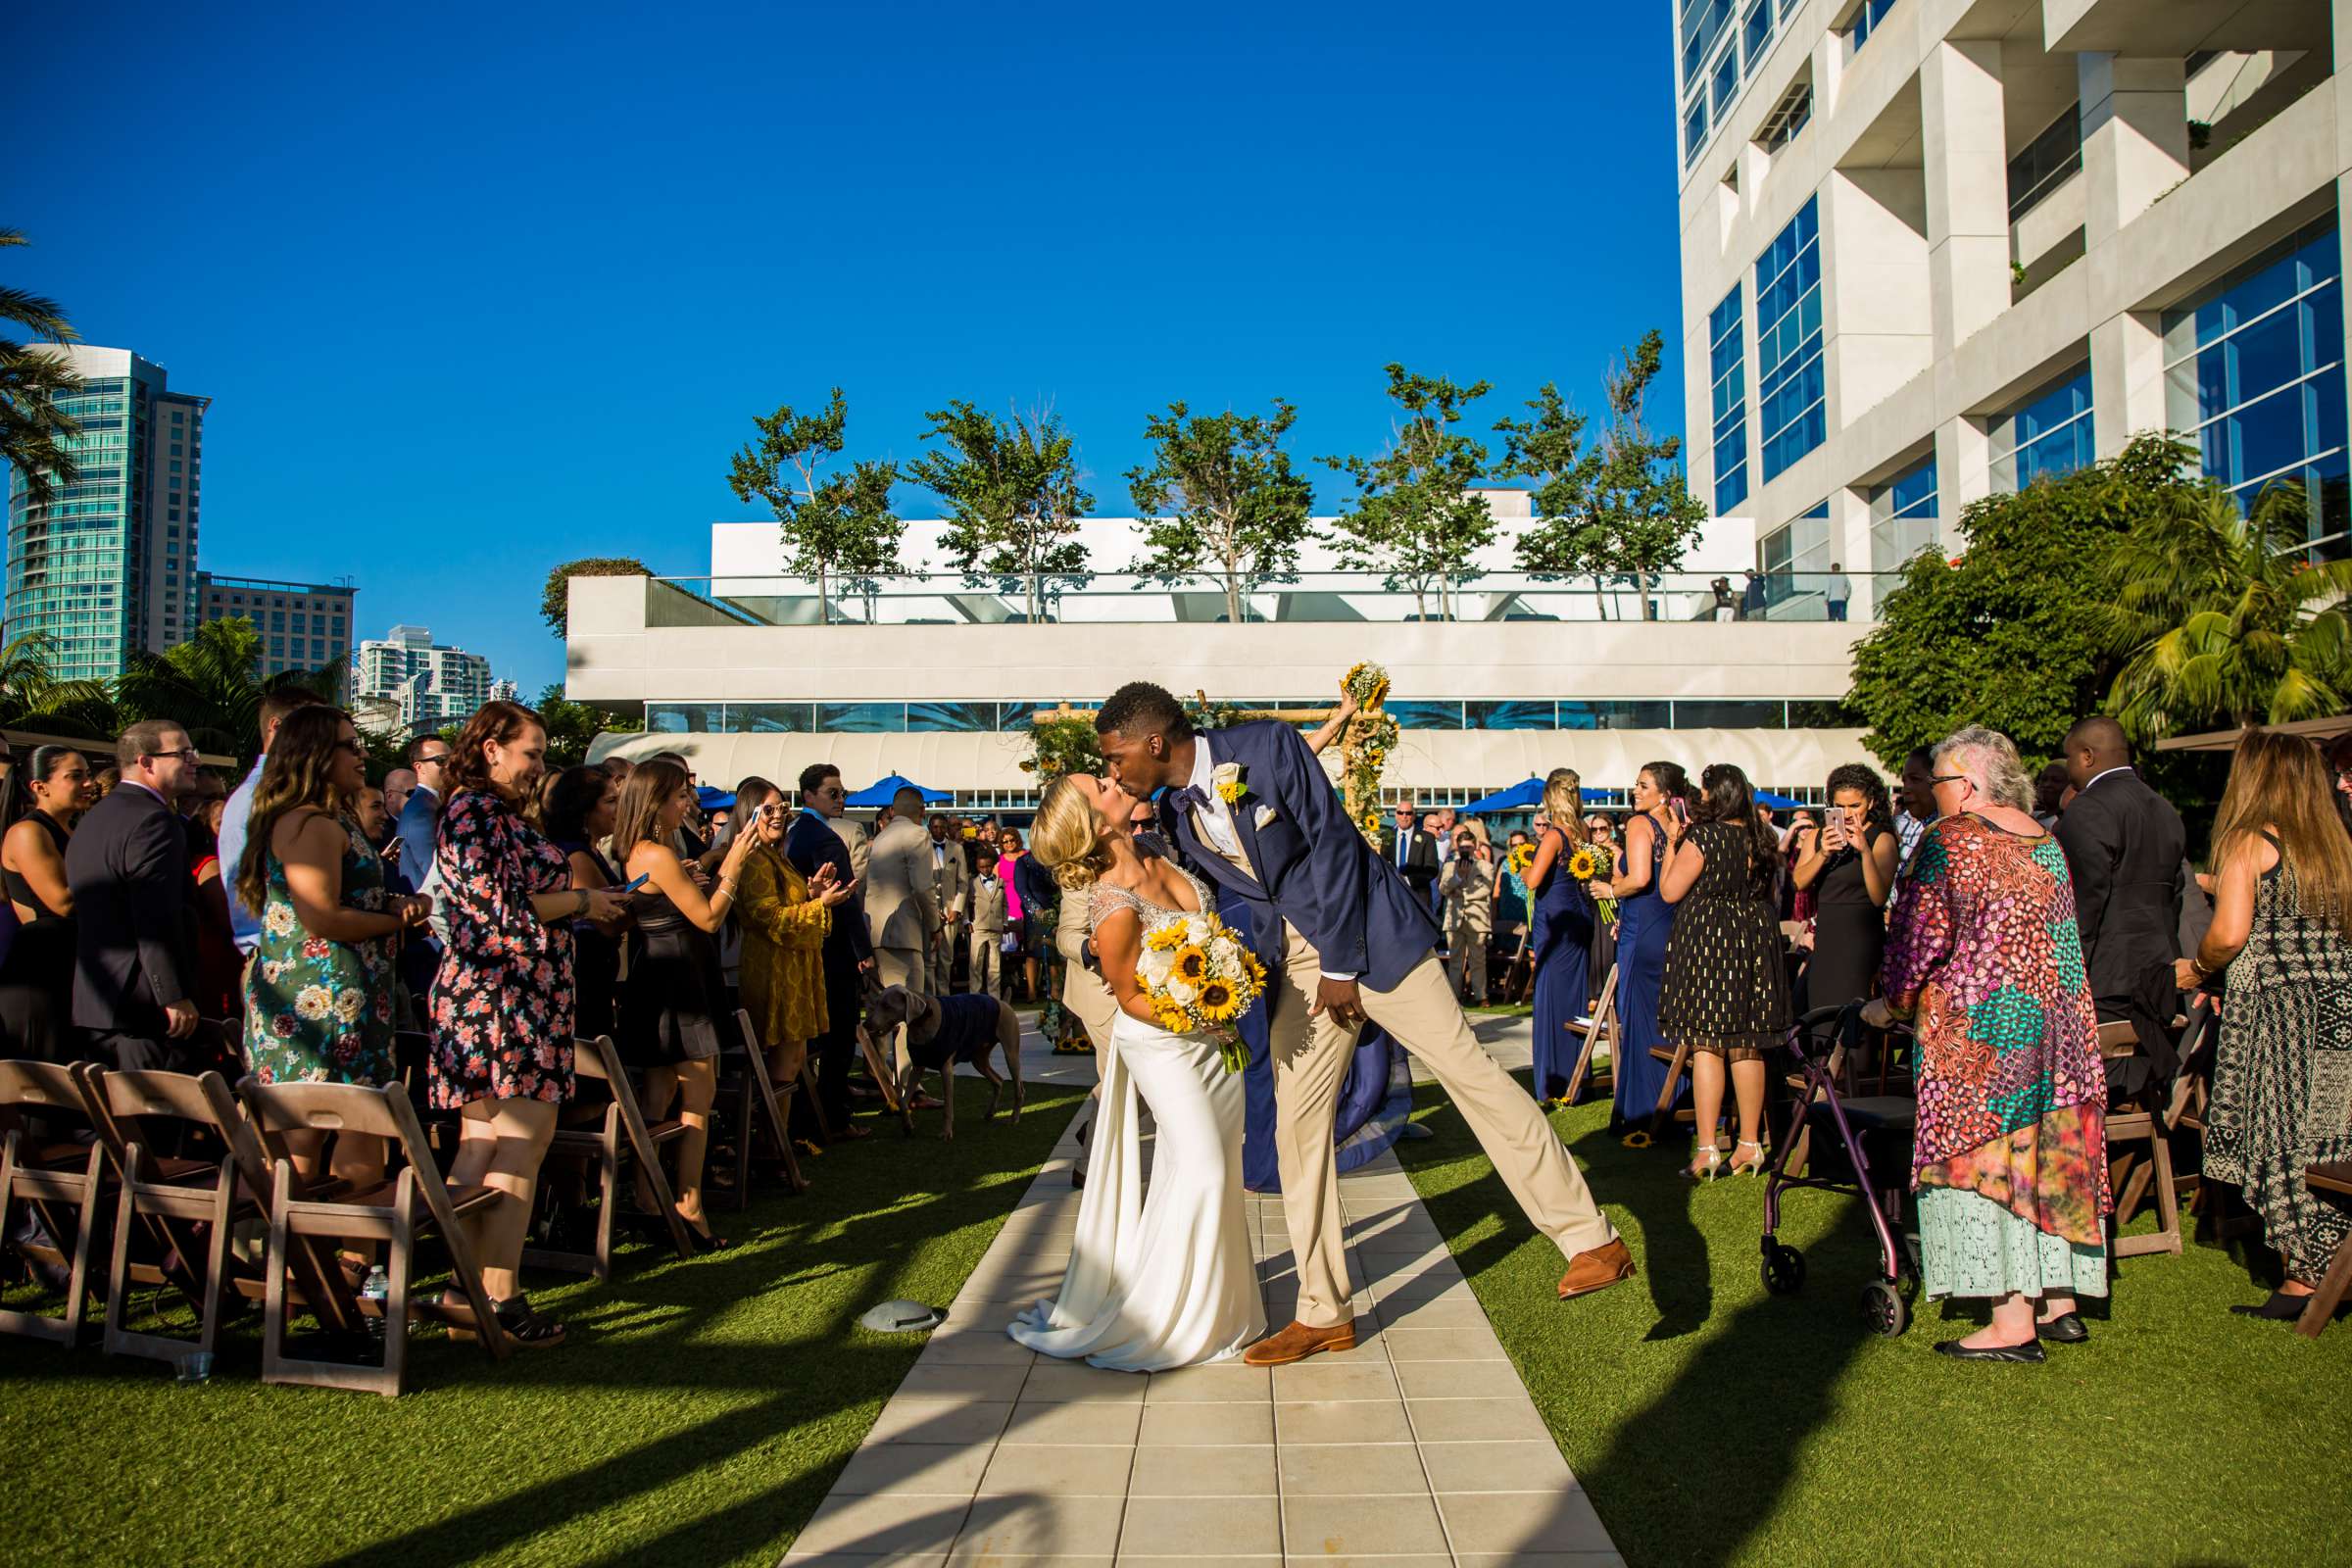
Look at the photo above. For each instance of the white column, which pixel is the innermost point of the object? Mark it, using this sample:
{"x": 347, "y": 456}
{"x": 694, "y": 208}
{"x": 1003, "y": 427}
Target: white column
{"x": 2134, "y": 137}
{"x": 1965, "y": 146}
{"x": 1849, "y": 546}
{"x": 2126, "y": 379}
{"x": 1963, "y": 473}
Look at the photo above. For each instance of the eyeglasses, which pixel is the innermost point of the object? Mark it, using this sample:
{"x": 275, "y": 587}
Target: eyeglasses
{"x": 1947, "y": 778}
{"x": 353, "y": 746}
{"x": 434, "y": 760}
{"x": 187, "y": 754}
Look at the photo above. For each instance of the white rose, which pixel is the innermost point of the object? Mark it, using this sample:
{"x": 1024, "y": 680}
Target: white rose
{"x": 1195, "y": 926}
{"x": 1225, "y": 953}
{"x": 1156, "y": 966}
{"x": 1181, "y": 993}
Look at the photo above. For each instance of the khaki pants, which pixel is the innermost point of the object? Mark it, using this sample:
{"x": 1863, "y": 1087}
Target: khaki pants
{"x": 1467, "y": 948}
{"x": 988, "y": 962}
{"x": 903, "y": 967}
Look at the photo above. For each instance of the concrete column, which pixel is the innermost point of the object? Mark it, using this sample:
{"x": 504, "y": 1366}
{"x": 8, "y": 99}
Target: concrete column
{"x": 1963, "y": 473}
{"x": 1877, "y": 309}
{"x": 1962, "y": 132}
{"x": 2126, "y": 379}
{"x": 2134, "y": 137}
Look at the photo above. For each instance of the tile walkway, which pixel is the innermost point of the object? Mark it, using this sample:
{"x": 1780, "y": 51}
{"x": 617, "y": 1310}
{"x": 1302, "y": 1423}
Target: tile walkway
{"x": 1420, "y": 1446}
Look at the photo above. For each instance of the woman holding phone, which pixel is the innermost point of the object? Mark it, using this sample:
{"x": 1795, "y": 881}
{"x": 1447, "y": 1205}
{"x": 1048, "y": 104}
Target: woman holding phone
{"x": 1849, "y": 869}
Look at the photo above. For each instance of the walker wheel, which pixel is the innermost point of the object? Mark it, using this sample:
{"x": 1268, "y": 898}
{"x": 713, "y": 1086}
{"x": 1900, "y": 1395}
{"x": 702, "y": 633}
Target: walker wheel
{"x": 1783, "y": 1269}
{"x": 1885, "y": 1309}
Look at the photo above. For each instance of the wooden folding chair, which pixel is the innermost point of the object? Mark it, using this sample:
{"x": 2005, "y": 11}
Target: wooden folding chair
{"x": 623, "y": 1128}
{"x": 185, "y": 1207}
{"x": 814, "y": 1100}
{"x": 54, "y": 1175}
{"x": 1598, "y": 1030}
{"x": 754, "y": 1103}
{"x": 1677, "y": 1062}
{"x": 2335, "y": 1180}
{"x": 886, "y": 1080}
{"x": 386, "y": 1213}
{"x": 2150, "y": 1117}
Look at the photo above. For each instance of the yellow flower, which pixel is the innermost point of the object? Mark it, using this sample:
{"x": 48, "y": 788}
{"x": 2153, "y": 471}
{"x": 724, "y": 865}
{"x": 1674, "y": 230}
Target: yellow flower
{"x": 1523, "y": 855}
{"x": 1162, "y": 939}
{"x": 1583, "y": 865}
{"x": 1217, "y": 1001}
{"x": 1192, "y": 965}
{"x": 1230, "y": 791}
{"x": 1171, "y": 1019}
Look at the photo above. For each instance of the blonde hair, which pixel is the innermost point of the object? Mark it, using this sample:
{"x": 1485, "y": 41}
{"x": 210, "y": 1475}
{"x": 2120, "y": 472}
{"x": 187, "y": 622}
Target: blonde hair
{"x": 2283, "y": 780}
{"x": 1564, "y": 802}
{"x": 1067, "y": 837}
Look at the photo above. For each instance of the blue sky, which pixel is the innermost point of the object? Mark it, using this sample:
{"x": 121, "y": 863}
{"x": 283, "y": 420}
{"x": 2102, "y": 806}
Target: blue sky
{"x": 479, "y": 289}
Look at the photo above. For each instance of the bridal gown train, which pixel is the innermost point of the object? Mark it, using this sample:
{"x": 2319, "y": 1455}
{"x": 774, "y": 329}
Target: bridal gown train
{"x": 1160, "y": 1277}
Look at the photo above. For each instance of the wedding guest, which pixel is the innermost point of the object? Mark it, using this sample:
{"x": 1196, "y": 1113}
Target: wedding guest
{"x": 991, "y": 911}
{"x": 675, "y": 1019}
{"x": 102, "y": 784}
{"x": 785, "y": 918}
{"x": 1725, "y": 989}
{"x": 270, "y": 712}
{"x": 1644, "y": 924}
{"x": 812, "y": 843}
{"x": 1468, "y": 889}
{"x": 399, "y": 784}
{"x": 317, "y": 998}
{"x": 1916, "y": 795}
{"x": 578, "y": 817}
{"x": 950, "y": 891}
{"x": 417, "y": 825}
{"x": 2282, "y": 936}
{"x": 1562, "y": 936}
{"x": 220, "y": 967}
{"x": 899, "y": 904}
{"x": 2126, "y": 850}
{"x": 502, "y": 1000}
{"x": 2339, "y": 763}
{"x": 1601, "y": 832}
{"x": 134, "y": 974}
{"x": 2010, "y": 1155}
{"x": 2053, "y": 787}
{"x": 37, "y": 979}
{"x": 1848, "y": 866}
{"x": 1414, "y": 850}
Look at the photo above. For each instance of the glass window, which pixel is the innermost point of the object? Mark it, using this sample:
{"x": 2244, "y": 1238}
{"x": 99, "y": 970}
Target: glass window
{"x": 958, "y": 717}
{"x": 1426, "y": 716}
{"x": 861, "y": 718}
{"x": 1866, "y": 23}
{"x": 1730, "y": 714}
{"x": 2047, "y": 163}
{"x": 1015, "y": 718}
{"x": 2255, "y": 373}
{"x": 1757, "y": 32}
{"x": 1790, "y": 388}
{"x": 1584, "y": 714}
{"x": 682, "y": 718}
{"x": 1729, "y": 360}
{"x": 1509, "y": 715}
{"x": 771, "y": 718}
{"x": 1902, "y": 518}
{"x": 2050, "y": 436}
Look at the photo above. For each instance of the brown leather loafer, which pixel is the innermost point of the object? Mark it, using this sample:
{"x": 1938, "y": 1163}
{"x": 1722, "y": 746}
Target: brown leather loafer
{"x": 1299, "y": 1341}
{"x": 1596, "y": 1270}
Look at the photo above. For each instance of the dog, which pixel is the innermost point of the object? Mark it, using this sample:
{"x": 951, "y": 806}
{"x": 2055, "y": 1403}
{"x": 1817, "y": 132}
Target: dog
{"x": 942, "y": 1031}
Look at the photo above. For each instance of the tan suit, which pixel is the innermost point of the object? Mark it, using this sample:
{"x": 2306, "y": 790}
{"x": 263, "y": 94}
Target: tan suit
{"x": 1466, "y": 888}
{"x": 950, "y": 879}
{"x": 1311, "y": 1055}
{"x": 899, "y": 906}
{"x": 987, "y": 899}
{"x": 1082, "y": 989}
{"x": 853, "y": 835}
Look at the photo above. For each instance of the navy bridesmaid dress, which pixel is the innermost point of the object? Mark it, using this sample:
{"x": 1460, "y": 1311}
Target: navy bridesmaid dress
{"x": 1562, "y": 959}
{"x": 1643, "y": 923}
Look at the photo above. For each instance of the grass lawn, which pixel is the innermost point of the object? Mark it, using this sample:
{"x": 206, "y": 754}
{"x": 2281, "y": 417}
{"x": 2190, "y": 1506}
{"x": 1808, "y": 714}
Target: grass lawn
{"x": 698, "y": 1414}
{"x": 1710, "y": 1422}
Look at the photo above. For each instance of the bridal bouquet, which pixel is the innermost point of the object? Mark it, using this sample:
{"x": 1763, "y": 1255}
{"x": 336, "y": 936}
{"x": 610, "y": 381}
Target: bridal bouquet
{"x": 1198, "y": 977}
{"x": 1589, "y": 865}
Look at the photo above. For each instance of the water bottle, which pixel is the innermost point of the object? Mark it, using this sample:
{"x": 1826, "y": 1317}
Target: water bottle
{"x": 379, "y": 1284}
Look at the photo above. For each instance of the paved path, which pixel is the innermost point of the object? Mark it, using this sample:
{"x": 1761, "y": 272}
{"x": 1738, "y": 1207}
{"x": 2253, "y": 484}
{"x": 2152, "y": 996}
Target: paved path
{"x": 1420, "y": 1446}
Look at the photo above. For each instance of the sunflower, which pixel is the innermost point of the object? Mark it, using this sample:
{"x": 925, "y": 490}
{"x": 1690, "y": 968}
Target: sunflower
{"x": 1583, "y": 865}
{"x": 1165, "y": 938}
{"x": 1172, "y": 1018}
{"x": 1522, "y": 857}
{"x": 1217, "y": 1001}
{"x": 1190, "y": 965}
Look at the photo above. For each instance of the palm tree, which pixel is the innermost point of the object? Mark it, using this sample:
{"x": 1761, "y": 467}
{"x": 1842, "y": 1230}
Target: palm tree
{"x": 2220, "y": 619}
{"x": 33, "y": 431}
{"x": 31, "y": 697}
{"x": 207, "y": 685}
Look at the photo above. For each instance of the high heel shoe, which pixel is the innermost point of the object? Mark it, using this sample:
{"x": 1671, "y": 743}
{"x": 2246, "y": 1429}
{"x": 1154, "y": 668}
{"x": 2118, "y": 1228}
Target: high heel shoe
{"x": 1752, "y": 1167}
{"x": 1708, "y": 1169}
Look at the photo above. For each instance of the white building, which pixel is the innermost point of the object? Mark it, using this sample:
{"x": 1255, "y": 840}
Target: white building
{"x": 1933, "y": 248}
{"x": 432, "y": 684}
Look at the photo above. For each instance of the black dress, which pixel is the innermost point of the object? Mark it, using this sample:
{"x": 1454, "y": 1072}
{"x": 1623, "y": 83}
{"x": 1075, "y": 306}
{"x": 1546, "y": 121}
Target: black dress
{"x": 36, "y": 982}
{"x": 595, "y": 959}
{"x": 1725, "y": 989}
{"x": 1849, "y": 932}
{"x": 673, "y": 1005}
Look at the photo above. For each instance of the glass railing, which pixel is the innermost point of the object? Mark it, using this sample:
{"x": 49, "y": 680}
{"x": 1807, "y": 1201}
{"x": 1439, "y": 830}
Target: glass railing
{"x": 994, "y": 600}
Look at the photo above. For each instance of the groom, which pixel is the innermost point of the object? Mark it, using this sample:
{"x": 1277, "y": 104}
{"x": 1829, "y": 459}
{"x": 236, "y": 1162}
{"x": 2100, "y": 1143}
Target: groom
{"x": 1345, "y": 940}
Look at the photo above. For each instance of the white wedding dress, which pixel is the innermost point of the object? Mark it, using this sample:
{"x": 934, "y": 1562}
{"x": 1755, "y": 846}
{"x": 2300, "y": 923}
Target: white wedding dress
{"x": 1159, "y": 1278}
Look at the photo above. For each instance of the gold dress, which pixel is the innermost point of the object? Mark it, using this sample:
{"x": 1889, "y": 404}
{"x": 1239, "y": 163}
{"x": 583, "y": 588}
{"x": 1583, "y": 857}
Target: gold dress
{"x": 781, "y": 975}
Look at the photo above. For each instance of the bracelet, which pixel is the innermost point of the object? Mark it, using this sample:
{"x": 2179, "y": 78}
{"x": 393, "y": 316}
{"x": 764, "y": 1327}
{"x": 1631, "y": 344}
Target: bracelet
{"x": 581, "y": 909}
{"x": 2200, "y": 969}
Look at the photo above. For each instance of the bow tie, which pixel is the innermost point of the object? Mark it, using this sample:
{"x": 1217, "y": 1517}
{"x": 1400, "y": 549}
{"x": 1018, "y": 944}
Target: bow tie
{"x": 1193, "y": 796}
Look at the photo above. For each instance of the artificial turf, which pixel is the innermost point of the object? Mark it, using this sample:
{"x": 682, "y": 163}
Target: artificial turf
{"x": 1711, "y": 1422}
{"x": 698, "y": 1413}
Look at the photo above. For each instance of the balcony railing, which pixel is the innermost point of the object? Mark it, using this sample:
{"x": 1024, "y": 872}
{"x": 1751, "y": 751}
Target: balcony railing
{"x": 1303, "y": 598}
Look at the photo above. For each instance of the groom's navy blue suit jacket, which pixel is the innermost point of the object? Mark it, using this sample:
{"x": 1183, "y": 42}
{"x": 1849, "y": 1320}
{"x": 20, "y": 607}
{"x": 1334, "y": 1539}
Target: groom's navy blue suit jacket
{"x": 1314, "y": 868}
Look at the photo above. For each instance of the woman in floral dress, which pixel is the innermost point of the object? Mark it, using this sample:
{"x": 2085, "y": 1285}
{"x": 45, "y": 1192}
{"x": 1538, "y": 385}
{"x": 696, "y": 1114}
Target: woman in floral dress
{"x": 2010, "y": 1158}
{"x": 502, "y": 1005}
{"x": 318, "y": 990}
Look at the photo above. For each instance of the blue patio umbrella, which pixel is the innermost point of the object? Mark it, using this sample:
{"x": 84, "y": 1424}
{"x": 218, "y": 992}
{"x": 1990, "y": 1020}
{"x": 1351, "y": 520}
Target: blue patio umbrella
{"x": 1520, "y": 797}
{"x": 1778, "y": 803}
{"x": 710, "y": 798}
{"x": 880, "y": 793}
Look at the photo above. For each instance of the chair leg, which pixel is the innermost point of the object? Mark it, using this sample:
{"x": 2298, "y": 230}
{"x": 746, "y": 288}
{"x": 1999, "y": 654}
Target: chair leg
{"x": 815, "y": 1102}
{"x": 117, "y": 1277}
{"x": 274, "y": 1286}
{"x": 2324, "y": 1300}
{"x": 608, "y": 1169}
{"x": 216, "y": 1259}
{"x": 1661, "y": 1117}
{"x": 2167, "y": 1196}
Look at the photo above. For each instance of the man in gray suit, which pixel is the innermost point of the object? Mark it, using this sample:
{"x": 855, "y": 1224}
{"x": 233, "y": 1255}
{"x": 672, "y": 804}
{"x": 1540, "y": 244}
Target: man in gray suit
{"x": 948, "y": 877}
{"x": 899, "y": 906}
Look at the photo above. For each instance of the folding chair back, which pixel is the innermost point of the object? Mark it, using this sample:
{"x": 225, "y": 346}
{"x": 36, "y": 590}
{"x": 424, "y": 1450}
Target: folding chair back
{"x": 2150, "y": 1116}
{"x": 2331, "y": 1182}
{"x": 624, "y": 1130}
{"x": 387, "y": 1214}
{"x": 757, "y": 1104}
{"x": 1598, "y": 1030}
{"x": 56, "y": 1175}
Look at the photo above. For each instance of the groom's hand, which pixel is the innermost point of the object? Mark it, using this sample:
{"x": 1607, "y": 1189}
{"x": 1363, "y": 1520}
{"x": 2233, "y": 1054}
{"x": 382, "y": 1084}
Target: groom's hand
{"x": 1338, "y": 997}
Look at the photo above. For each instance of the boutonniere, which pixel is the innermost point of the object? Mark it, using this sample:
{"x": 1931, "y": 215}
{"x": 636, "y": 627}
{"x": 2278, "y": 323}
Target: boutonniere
{"x": 1231, "y": 781}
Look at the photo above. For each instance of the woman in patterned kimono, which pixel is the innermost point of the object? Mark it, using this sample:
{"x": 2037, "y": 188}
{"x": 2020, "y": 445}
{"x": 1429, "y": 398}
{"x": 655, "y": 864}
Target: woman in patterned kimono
{"x": 2010, "y": 1158}
{"x": 2282, "y": 1070}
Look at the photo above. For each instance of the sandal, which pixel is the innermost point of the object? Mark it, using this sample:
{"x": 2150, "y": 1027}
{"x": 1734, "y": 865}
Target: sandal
{"x": 522, "y": 1325}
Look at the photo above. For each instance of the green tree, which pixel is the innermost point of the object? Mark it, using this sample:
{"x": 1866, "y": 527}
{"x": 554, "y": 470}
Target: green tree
{"x": 1620, "y": 506}
{"x": 35, "y": 434}
{"x": 1012, "y": 492}
{"x": 555, "y": 600}
{"x": 2009, "y": 635}
{"x": 207, "y": 684}
{"x": 571, "y": 726}
{"x": 1220, "y": 495}
{"x": 1415, "y": 517}
{"x": 34, "y": 699}
{"x": 2219, "y": 619}
{"x": 837, "y": 525}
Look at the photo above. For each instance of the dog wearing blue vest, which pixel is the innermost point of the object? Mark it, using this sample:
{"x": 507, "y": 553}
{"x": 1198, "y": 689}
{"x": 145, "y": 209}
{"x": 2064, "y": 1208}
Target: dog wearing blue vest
{"x": 941, "y": 1032}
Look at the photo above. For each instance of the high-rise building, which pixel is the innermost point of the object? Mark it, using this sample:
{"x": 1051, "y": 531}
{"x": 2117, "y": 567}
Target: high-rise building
{"x": 433, "y": 684}
{"x": 505, "y": 691}
{"x": 303, "y": 625}
{"x": 107, "y": 568}
{"x": 1933, "y": 250}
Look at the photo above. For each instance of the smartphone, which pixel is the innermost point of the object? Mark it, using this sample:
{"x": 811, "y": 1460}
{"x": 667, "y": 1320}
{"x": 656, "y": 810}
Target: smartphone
{"x": 631, "y": 887}
{"x": 1682, "y": 812}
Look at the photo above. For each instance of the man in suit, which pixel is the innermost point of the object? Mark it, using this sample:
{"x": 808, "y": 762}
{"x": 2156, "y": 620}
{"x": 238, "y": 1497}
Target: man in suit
{"x": 420, "y": 833}
{"x": 848, "y": 949}
{"x": 2124, "y": 849}
{"x": 949, "y": 879}
{"x": 134, "y": 968}
{"x": 1345, "y": 939}
{"x": 900, "y": 911}
{"x": 1468, "y": 889}
{"x": 246, "y": 924}
{"x": 1414, "y": 853}
{"x": 985, "y": 899}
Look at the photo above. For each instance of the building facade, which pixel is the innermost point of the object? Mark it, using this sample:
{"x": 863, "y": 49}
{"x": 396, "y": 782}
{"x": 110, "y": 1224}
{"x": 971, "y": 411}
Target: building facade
{"x": 1934, "y": 249}
{"x": 433, "y": 684}
{"x": 107, "y": 568}
{"x": 303, "y": 625}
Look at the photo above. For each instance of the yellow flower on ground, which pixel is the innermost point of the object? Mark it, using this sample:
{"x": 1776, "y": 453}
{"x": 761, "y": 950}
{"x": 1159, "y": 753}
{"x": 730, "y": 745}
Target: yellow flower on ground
{"x": 1217, "y": 1001}
{"x": 1192, "y": 965}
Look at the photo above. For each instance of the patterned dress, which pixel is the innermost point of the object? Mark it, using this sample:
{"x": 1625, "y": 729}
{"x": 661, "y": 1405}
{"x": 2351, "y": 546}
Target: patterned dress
{"x": 503, "y": 1000}
{"x": 2283, "y": 1073}
{"x": 2010, "y": 1159}
{"x": 782, "y": 970}
{"x": 1726, "y": 988}
{"x": 320, "y": 1012}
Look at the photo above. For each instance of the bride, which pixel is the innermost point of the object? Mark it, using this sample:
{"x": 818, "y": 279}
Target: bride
{"x": 1159, "y": 1279}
